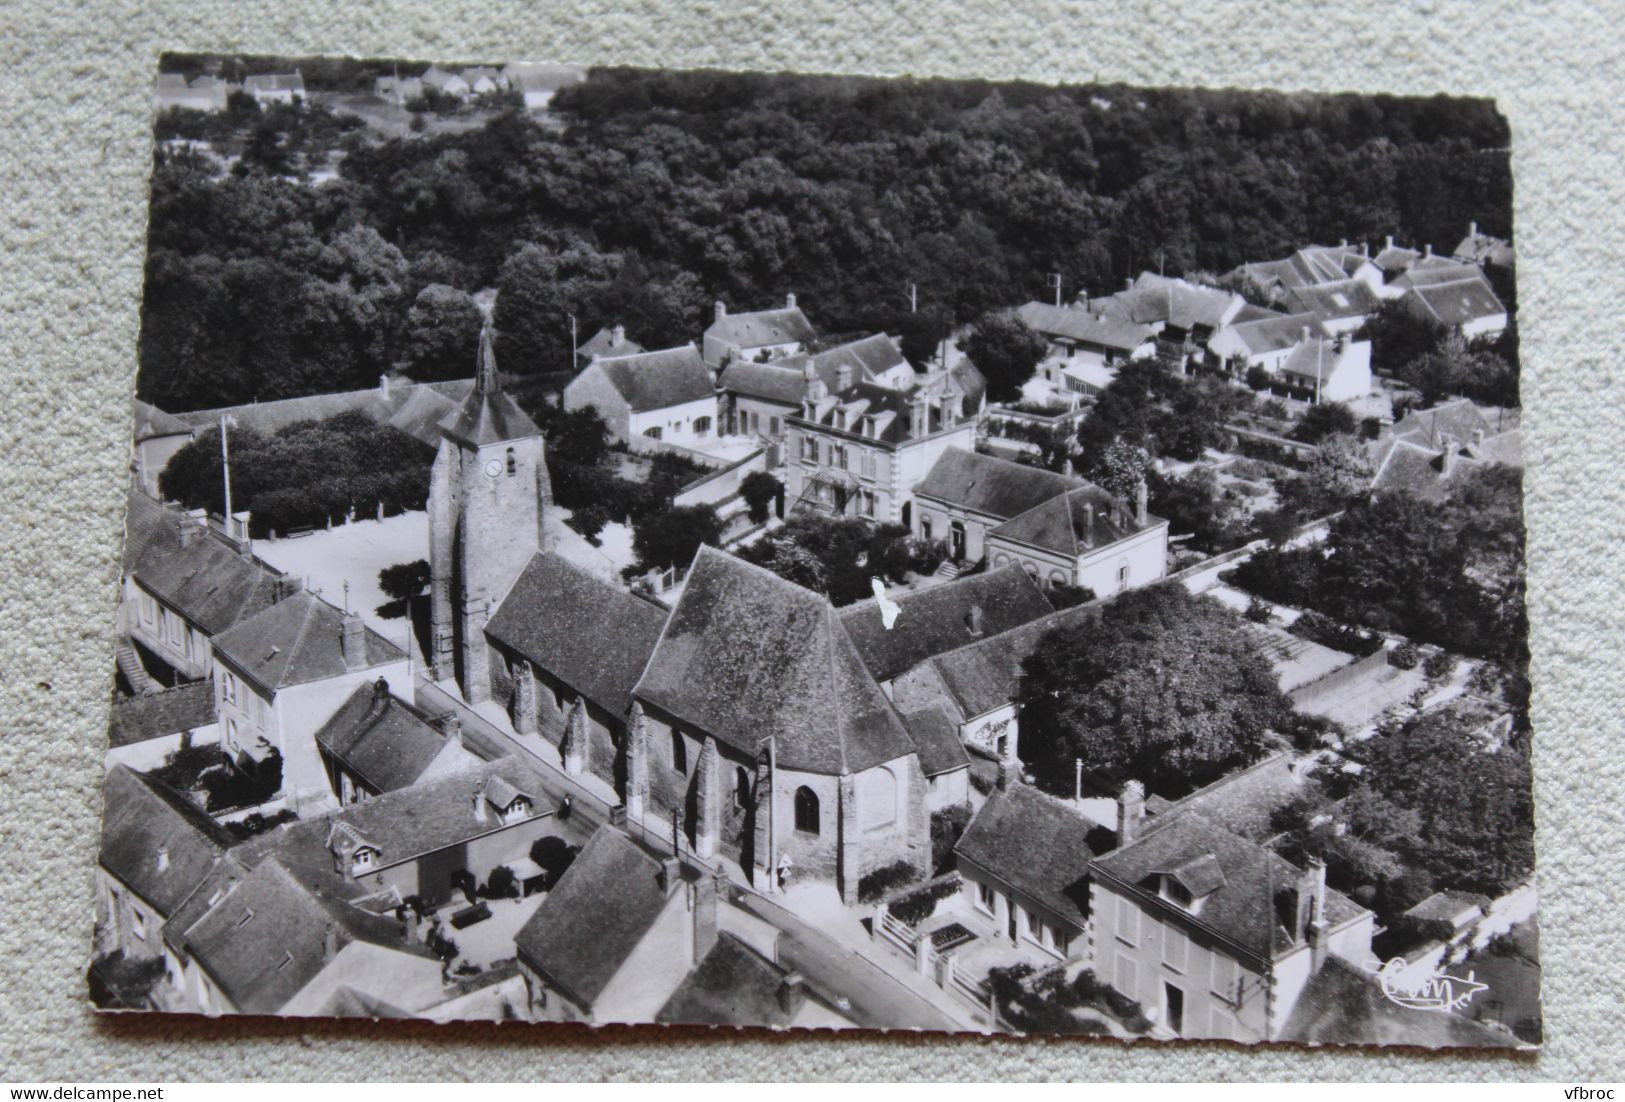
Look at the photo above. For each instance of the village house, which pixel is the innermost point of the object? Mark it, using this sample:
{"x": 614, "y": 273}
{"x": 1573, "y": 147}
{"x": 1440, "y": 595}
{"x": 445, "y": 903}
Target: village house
{"x": 758, "y": 398}
{"x": 1084, "y": 348}
{"x": 618, "y": 934}
{"x": 1321, "y": 369}
{"x": 734, "y": 984}
{"x": 608, "y": 342}
{"x": 282, "y": 88}
{"x": 184, "y": 584}
{"x": 1484, "y": 249}
{"x": 664, "y": 396}
{"x": 445, "y": 82}
{"x": 1427, "y": 451}
{"x": 376, "y": 743}
{"x": 156, "y": 847}
{"x": 257, "y": 940}
{"x": 1458, "y": 297}
{"x": 967, "y": 494}
{"x": 1215, "y": 936}
{"x": 1342, "y": 307}
{"x": 1315, "y": 265}
{"x": 1024, "y": 862}
{"x": 146, "y": 727}
{"x": 1261, "y": 342}
{"x": 566, "y": 650}
{"x": 757, "y": 725}
{"x": 944, "y": 761}
{"x": 860, "y": 449}
{"x": 539, "y": 82}
{"x": 482, "y": 80}
{"x": 158, "y": 436}
{"x": 1085, "y": 538}
{"x": 1183, "y": 316}
{"x": 758, "y": 335}
{"x": 280, "y": 674}
{"x": 202, "y": 93}
{"x": 397, "y": 89}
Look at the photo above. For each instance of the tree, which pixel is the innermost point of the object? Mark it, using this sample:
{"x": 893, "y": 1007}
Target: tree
{"x": 1456, "y": 367}
{"x": 1120, "y": 468}
{"x": 405, "y": 580}
{"x": 838, "y": 556}
{"x": 538, "y": 289}
{"x": 1166, "y": 688}
{"x": 442, "y": 334}
{"x": 1006, "y": 351}
{"x": 671, "y": 538}
{"x": 760, "y": 490}
{"x": 1195, "y": 505}
{"x": 1326, "y": 419}
{"x": 1399, "y": 337}
{"x": 1338, "y": 473}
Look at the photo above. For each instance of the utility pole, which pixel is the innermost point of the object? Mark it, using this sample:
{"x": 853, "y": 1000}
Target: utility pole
{"x": 913, "y": 298}
{"x": 225, "y": 469}
{"x": 574, "y": 355}
{"x": 1057, "y": 288}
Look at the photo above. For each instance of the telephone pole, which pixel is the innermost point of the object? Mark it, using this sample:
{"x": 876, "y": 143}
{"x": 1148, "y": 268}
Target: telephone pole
{"x": 574, "y": 355}
{"x": 225, "y": 469}
{"x": 913, "y": 298}
{"x": 1057, "y": 288}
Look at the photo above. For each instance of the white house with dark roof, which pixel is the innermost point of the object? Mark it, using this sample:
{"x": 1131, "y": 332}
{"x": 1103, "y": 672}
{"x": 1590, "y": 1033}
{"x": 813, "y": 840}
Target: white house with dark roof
{"x": 758, "y": 398}
{"x": 1458, "y": 298}
{"x": 759, "y": 335}
{"x": 758, "y": 726}
{"x": 376, "y": 743}
{"x": 1342, "y": 307}
{"x": 609, "y": 341}
{"x": 1321, "y": 369}
{"x": 1314, "y": 265}
{"x": 284, "y": 88}
{"x": 158, "y": 436}
{"x": 1262, "y": 342}
{"x": 538, "y": 82}
{"x": 156, "y": 847}
{"x": 1087, "y": 538}
{"x": 1484, "y": 249}
{"x": 280, "y": 675}
{"x": 666, "y": 396}
{"x": 967, "y": 494}
{"x": 618, "y": 934}
{"x": 1215, "y": 936}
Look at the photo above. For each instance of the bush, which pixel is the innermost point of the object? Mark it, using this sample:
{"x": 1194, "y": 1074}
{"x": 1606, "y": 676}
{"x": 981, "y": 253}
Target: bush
{"x": 553, "y": 855}
{"x": 1405, "y": 656}
{"x": 501, "y": 884}
{"x": 244, "y": 783}
{"x": 258, "y": 823}
{"x": 946, "y": 827}
{"x": 919, "y": 905}
{"x": 1259, "y": 612}
{"x": 589, "y": 520}
{"x": 1091, "y": 992}
{"x": 760, "y": 490}
{"x": 1317, "y": 627}
{"x": 877, "y": 884}
{"x": 1439, "y": 665}
{"x": 1258, "y": 377}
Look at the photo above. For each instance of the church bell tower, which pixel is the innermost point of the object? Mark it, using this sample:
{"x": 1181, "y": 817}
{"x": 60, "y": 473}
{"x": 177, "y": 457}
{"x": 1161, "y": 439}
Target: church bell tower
{"x": 487, "y": 495}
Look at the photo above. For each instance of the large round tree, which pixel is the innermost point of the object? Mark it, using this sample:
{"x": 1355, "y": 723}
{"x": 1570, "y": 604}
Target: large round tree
{"x": 1165, "y": 688}
{"x": 1006, "y": 351}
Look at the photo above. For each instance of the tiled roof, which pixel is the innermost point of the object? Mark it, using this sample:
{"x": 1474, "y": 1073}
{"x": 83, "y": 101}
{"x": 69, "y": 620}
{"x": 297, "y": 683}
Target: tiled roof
{"x": 593, "y": 636}
{"x": 1074, "y": 523}
{"x": 784, "y": 380}
{"x": 748, "y": 657}
{"x": 991, "y": 486}
{"x": 1341, "y": 1005}
{"x": 297, "y": 640}
{"x": 155, "y": 715}
{"x": 1077, "y": 324}
{"x": 1320, "y": 358}
{"x": 657, "y": 380}
{"x": 155, "y": 840}
{"x": 1036, "y": 844}
{"x": 871, "y": 400}
{"x": 1276, "y": 333}
{"x": 1481, "y": 248}
{"x": 1448, "y": 906}
{"x": 1408, "y": 465}
{"x": 415, "y": 408}
{"x": 542, "y": 76}
{"x": 603, "y": 343}
{"x": 1343, "y": 299}
{"x": 148, "y": 522}
{"x": 938, "y": 619}
{"x": 1458, "y": 302}
{"x": 150, "y": 421}
{"x": 210, "y": 582}
{"x": 592, "y": 920}
{"x": 1396, "y": 259}
{"x": 1459, "y": 418}
{"x": 382, "y": 739}
{"x": 1441, "y": 271}
{"x": 1242, "y": 801}
{"x": 733, "y": 985}
{"x": 1242, "y": 908}
{"x": 266, "y": 939}
{"x": 1308, "y": 266}
{"x": 986, "y": 675}
{"x": 758, "y": 328}
{"x": 936, "y": 739}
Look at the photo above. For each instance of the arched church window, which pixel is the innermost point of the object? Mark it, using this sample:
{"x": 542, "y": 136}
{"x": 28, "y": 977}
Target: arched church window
{"x": 741, "y": 788}
{"x": 513, "y": 462}
{"x": 679, "y": 752}
{"x": 806, "y": 810}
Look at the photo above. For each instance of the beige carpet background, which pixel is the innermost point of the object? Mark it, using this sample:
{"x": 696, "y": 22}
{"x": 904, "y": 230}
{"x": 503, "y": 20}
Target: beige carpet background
{"x": 75, "y": 81}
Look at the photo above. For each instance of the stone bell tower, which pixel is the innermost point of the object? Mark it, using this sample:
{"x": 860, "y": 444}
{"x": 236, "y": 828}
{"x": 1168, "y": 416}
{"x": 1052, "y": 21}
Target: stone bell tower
{"x": 487, "y": 495}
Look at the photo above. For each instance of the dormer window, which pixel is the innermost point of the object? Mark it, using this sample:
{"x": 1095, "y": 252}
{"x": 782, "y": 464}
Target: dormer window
{"x": 516, "y": 811}
{"x": 362, "y": 860}
{"x": 1175, "y": 892}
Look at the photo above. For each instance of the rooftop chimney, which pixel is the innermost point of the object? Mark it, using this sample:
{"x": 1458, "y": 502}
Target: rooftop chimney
{"x": 185, "y": 530}
{"x": 790, "y": 301}
{"x": 354, "y": 642}
{"x": 1130, "y": 812}
{"x": 721, "y": 309}
{"x": 1066, "y": 467}
{"x": 1447, "y": 461}
{"x": 1303, "y": 334}
{"x": 1089, "y": 524}
{"x": 1140, "y": 495}
{"x": 1388, "y": 242}
{"x": 973, "y": 620}
{"x": 451, "y": 725}
{"x": 617, "y": 336}
{"x": 1005, "y": 769}
{"x": 919, "y": 413}
{"x": 479, "y": 806}
{"x": 671, "y": 876}
{"x": 1128, "y": 284}
{"x": 1472, "y": 229}
{"x": 330, "y": 942}
{"x": 1478, "y": 438}
{"x": 1365, "y": 248}
{"x": 1427, "y": 250}
{"x": 843, "y": 377}
{"x": 792, "y": 993}
{"x": 380, "y": 692}
{"x": 383, "y": 387}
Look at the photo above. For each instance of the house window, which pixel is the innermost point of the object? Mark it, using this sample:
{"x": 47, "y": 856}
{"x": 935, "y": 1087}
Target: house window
{"x": 837, "y": 456}
{"x": 1223, "y": 984}
{"x": 868, "y": 463}
{"x": 809, "y": 449}
{"x": 1122, "y": 577}
{"x": 654, "y": 433}
{"x": 1175, "y": 949}
{"x": 1173, "y": 1002}
{"x": 231, "y": 735}
{"x": 925, "y": 528}
{"x": 702, "y": 426}
{"x": 513, "y": 462}
{"x": 866, "y": 503}
{"x": 138, "y": 923}
{"x": 741, "y": 788}
{"x": 679, "y": 752}
{"x": 228, "y": 688}
{"x": 1128, "y": 921}
{"x": 361, "y": 861}
{"x": 806, "y": 810}
{"x": 772, "y": 425}
{"x": 1056, "y": 578}
{"x": 985, "y": 897}
{"x": 1176, "y": 892}
{"x": 1035, "y": 928}
{"x": 1063, "y": 941}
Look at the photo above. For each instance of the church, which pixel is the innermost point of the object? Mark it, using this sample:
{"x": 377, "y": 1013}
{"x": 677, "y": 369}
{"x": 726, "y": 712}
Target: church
{"x": 744, "y": 722}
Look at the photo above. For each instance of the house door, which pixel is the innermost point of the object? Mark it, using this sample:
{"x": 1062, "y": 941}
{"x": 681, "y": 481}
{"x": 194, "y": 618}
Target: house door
{"x": 957, "y": 534}
{"x": 1174, "y": 1003}
{"x": 1010, "y": 921}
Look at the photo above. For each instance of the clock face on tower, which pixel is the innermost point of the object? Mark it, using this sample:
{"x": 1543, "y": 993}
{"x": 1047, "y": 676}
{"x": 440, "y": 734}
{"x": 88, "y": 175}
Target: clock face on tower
{"x": 493, "y": 468}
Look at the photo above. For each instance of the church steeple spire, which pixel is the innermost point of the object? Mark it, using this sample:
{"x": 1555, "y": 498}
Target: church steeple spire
{"x": 487, "y": 415}
{"x": 485, "y": 371}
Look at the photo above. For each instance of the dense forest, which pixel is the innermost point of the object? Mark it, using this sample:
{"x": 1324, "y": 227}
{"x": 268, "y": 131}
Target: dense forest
{"x": 648, "y": 195}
